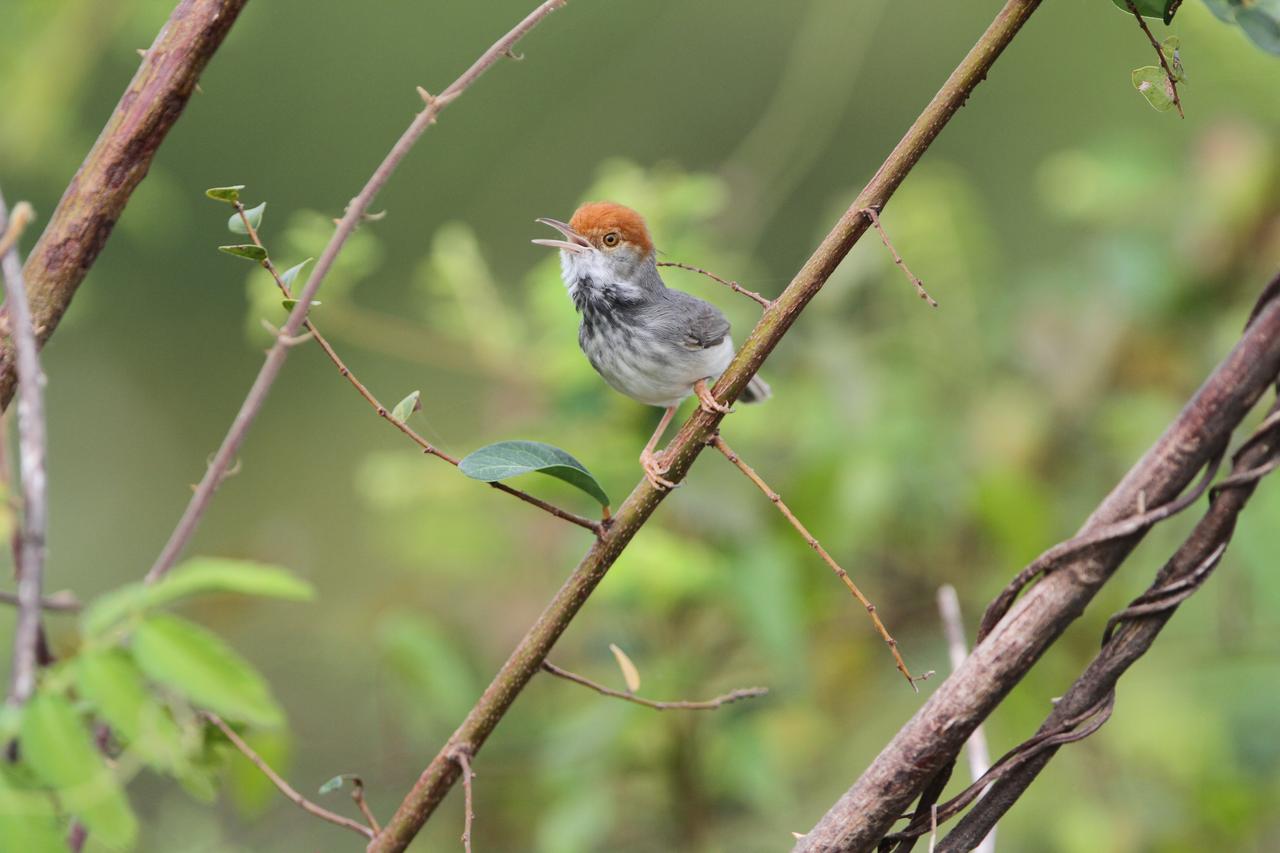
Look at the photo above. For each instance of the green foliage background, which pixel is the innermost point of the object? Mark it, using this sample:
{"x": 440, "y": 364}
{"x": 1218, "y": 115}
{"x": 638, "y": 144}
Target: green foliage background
{"x": 1093, "y": 259}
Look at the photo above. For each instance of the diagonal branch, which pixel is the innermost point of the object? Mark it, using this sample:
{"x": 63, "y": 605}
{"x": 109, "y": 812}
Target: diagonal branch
{"x": 1018, "y": 636}
{"x": 679, "y": 705}
{"x": 526, "y": 660}
{"x": 117, "y": 163}
{"x": 732, "y": 285}
{"x": 381, "y": 410}
{"x": 279, "y": 351}
{"x": 285, "y": 788}
{"x": 29, "y": 537}
{"x": 719, "y": 444}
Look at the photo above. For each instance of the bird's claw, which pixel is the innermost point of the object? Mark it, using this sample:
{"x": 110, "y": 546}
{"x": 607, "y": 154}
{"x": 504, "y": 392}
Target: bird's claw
{"x": 653, "y": 471}
{"x": 708, "y": 403}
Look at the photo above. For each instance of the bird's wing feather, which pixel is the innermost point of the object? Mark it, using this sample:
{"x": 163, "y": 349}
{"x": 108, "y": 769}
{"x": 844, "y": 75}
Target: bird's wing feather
{"x": 695, "y": 323}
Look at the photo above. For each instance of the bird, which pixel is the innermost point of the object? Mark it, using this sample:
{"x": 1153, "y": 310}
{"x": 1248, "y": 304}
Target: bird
{"x": 653, "y": 343}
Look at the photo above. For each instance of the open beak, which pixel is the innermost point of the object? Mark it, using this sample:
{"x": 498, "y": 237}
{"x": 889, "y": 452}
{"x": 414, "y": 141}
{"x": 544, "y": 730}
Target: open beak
{"x": 573, "y": 242}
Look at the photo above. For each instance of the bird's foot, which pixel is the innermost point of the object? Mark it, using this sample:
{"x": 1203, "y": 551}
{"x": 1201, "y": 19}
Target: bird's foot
{"x": 654, "y": 468}
{"x": 708, "y": 403}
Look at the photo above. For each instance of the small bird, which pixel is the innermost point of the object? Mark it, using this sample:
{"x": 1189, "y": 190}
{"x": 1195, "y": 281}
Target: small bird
{"x": 654, "y": 344}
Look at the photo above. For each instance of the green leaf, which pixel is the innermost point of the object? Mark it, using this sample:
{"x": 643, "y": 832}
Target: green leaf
{"x": 28, "y": 820}
{"x": 510, "y": 458}
{"x": 195, "y": 576}
{"x": 57, "y": 746}
{"x": 228, "y": 194}
{"x": 197, "y": 663}
{"x": 246, "y": 250}
{"x": 291, "y": 274}
{"x": 333, "y": 784}
{"x": 1152, "y": 84}
{"x": 254, "y": 214}
{"x": 1262, "y": 26}
{"x": 1162, "y": 9}
{"x": 289, "y": 303}
{"x": 407, "y": 406}
{"x": 1169, "y": 47}
{"x": 114, "y": 685}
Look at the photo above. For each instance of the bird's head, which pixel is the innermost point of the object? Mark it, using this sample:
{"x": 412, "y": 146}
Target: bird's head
{"x": 604, "y": 245}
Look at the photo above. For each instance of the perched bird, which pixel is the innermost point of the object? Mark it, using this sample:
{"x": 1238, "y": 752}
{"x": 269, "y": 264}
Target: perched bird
{"x": 652, "y": 343}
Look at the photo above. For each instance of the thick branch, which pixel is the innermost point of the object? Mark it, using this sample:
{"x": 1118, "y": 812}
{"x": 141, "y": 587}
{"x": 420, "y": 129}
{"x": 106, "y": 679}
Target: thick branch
{"x": 287, "y": 336}
{"x": 118, "y": 161}
{"x": 529, "y": 655}
{"x": 30, "y": 534}
{"x": 1130, "y": 634}
{"x": 932, "y": 738}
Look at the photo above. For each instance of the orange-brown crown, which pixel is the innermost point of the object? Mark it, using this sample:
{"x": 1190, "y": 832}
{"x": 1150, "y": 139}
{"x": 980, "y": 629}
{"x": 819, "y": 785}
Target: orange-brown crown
{"x": 597, "y": 218}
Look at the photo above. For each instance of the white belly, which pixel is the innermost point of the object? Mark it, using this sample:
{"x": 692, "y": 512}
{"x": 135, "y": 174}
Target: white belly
{"x": 658, "y": 376}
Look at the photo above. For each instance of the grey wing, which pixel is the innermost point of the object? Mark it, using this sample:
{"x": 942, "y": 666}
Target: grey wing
{"x": 696, "y": 324}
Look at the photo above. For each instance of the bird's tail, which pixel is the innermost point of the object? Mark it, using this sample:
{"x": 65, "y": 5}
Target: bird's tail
{"x": 757, "y": 391}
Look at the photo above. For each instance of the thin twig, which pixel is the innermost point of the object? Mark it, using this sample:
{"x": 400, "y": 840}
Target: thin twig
{"x": 30, "y": 534}
{"x": 285, "y": 788}
{"x": 897, "y": 259}
{"x": 462, "y": 756}
{"x": 279, "y": 351}
{"x": 762, "y": 301}
{"x": 357, "y": 794}
{"x": 979, "y": 754}
{"x": 1168, "y": 72}
{"x": 682, "y": 705}
{"x": 719, "y": 444}
{"x": 381, "y": 410}
{"x": 63, "y": 601}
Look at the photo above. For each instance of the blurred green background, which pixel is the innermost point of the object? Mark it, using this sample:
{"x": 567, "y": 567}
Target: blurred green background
{"x": 1093, "y": 258}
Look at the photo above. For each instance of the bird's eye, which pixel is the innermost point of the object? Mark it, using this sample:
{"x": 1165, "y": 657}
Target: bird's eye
{"x": 611, "y": 239}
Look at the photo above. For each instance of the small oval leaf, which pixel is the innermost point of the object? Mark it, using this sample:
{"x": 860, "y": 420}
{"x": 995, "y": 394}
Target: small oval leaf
{"x": 247, "y": 251}
{"x": 291, "y": 274}
{"x": 228, "y": 194}
{"x": 407, "y": 407}
{"x": 197, "y": 663}
{"x": 630, "y": 674}
{"x": 511, "y": 458}
{"x": 332, "y": 785}
{"x": 57, "y": 746}
{"x": 254, "y": 214}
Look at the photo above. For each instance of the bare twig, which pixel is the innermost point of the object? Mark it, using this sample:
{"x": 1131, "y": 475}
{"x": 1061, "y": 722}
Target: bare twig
{"x": 1164, "y": 64}
{"x": 526, "y": 659}
{"x": 30, "y": 534}
{"x": 382, "y": 411}
{"x": 719, "y": 444}
{"x": 117, "y": 163}
{"x": 897, "y": 259}
{"x": 276, "y": 356}
{"x": 462, "y": 757}
{"x": 285, "y": 788}
{"x": 357, "y": 795}
{"x": 63, "y": 601}
{"x": 682, "y": 705}
{"x": 732, "y": 285}
{"x": 979, "y": 754}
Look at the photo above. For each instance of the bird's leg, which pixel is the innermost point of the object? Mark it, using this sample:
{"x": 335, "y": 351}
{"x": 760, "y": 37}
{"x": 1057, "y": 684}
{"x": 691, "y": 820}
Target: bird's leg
{"x": 652, "y": 461}
{"x": 709, "y": 403}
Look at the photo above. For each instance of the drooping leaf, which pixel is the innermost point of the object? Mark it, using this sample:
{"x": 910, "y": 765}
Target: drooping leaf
{"x": 630, "y": 674}
{"x": 248, "y": 251}
{"x": 114, "y": 685}
{"x": 254, "y": 214}
{"x": 228, "y": 194}
{"x": 195, "y": 576}
{"x": 1162, "y": 9}
{"x": 511, "y": 458}
{"x": 1261, "y": 23}
{"x": 407, "y": 406}
{"x": 58, "y": 747}
{"x": 1152, "y": 84}
{"x": 291, "y": 274}
{"x": 197, "y": 663}
{"x": 28, "y": 820}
